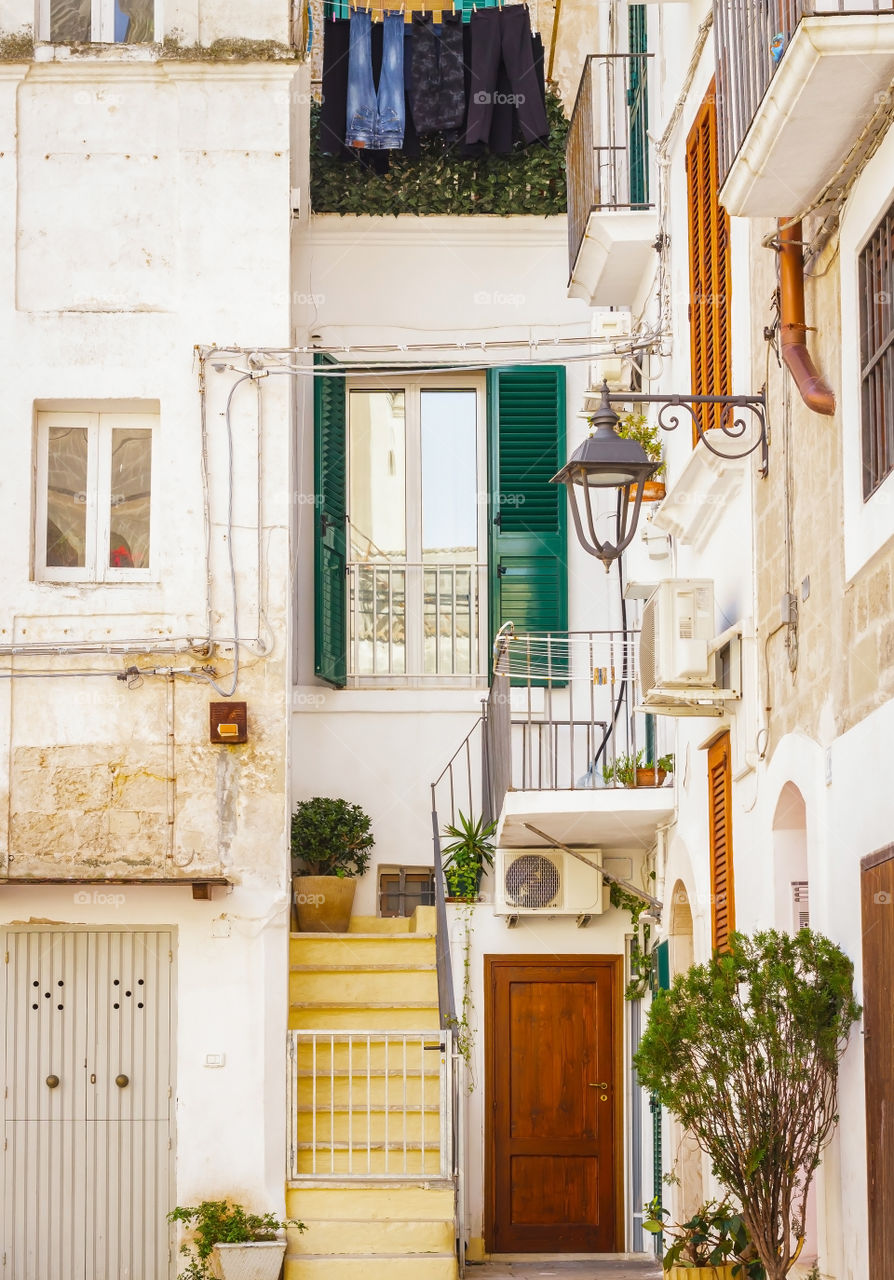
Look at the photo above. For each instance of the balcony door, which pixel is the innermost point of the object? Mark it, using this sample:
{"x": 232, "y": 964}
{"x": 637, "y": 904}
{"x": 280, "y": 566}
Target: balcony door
{"x": 554, "y": 1104}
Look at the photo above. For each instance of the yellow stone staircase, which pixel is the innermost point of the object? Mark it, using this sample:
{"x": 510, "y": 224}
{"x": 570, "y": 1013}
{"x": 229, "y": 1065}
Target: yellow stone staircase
{"x": 366, "y": 1161}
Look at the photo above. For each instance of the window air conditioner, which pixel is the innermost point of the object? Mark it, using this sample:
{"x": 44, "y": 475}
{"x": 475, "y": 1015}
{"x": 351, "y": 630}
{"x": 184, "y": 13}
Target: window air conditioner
{"x": 800, "y": 905}
{"x": 610, "y": 328}
{"x": 675, "y": 637}
{"x": 547, "y": 882}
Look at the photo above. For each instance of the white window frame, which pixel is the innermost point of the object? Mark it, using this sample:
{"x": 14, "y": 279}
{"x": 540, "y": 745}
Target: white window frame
{"x": 868, "y": 523}
{"x": 102, "y": 21}
{"x": 98, "y": 495}
{"x": 412, "y": 388}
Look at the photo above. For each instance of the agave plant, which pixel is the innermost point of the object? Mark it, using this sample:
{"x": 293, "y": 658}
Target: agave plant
{"x": 471, "y": 850}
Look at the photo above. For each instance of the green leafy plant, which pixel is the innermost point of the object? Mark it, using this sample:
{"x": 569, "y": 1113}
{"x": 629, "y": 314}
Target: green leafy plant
{"x": 331, "y": 837}
{"x": 715, "y": 1236}
{"x": 531, "y": 180}
{"x": 636, "y": 426}
{"x": 471, "y": 851}
{"x": 463, "y": 1025}
{"x": 744, "y": 1051}
{"x": 623, "y": 768}
{"x": 222, "y": 1222}
{"x": 640, "y": 958}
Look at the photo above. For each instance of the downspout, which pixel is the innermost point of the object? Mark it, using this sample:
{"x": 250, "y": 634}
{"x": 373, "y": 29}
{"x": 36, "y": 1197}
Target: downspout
{"x": 815, "y": 391}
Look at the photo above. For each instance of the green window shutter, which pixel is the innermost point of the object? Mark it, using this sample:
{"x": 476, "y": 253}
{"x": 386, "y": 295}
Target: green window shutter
{"x": 528, "y": 555}
{"x": 330, "y": 537}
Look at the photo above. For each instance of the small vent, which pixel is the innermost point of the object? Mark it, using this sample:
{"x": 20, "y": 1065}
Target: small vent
{"x": 531, "y": 881}
{"x": 800, "y": 905}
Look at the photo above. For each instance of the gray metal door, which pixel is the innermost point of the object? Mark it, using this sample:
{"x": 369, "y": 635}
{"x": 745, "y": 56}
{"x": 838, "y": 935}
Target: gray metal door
{"x": 87, "y": 1155}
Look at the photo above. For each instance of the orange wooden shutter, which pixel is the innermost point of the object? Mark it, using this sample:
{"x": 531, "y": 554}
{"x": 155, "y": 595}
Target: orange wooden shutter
{"x": 720, "y": 828}
{"x": 709, "y": 264}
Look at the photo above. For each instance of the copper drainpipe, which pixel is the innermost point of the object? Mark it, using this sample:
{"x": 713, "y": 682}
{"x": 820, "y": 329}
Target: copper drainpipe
{"x": 815, "y": 391}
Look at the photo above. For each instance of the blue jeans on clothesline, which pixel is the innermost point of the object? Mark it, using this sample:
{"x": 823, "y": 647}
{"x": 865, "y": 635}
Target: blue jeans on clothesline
{"x": 376, "y": 120}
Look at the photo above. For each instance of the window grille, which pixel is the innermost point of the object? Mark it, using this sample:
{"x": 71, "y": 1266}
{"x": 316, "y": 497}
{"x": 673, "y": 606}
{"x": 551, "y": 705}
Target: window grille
{"x": 877, "y": 354}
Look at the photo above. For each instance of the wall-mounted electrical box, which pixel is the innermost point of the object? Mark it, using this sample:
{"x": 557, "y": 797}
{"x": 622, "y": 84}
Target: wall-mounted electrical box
{"x": 229, "y": 722}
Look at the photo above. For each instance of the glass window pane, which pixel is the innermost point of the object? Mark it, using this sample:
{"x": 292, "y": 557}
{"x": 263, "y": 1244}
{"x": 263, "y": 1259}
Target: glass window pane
{"x": 377, "y": 443}
{"x": 67, "y": 497}
{"x": 131, "y": 474}
{"x": 134, "y": 21}
{"x": 449, "y": 475}
{"x": 69, "y": 21}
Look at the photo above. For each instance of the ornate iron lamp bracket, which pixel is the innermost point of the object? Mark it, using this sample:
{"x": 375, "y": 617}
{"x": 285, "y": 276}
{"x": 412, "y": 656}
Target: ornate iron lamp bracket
{"x": 734, "y": 425}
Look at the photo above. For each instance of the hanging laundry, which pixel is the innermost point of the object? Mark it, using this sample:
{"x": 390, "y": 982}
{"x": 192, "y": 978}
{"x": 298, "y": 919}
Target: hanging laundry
{"x": 376, "y": 119}
{"x": 336, "y": 44}
{"x": 504, "y": 35}
{"x": 437, "y": 94}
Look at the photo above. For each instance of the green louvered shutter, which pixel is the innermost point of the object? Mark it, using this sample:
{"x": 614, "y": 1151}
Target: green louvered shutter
{"x": 526, "y": 432}
{"x": 330, "y": 510}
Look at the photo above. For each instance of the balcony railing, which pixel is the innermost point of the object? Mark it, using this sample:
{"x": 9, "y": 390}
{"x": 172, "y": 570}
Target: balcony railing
{"x": 414, "y": 622}
{"x": 750, "y": 40}
{"x": 606, "y": 154}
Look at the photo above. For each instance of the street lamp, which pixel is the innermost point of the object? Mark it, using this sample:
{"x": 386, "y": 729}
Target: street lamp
{"x": 606, "y": 460}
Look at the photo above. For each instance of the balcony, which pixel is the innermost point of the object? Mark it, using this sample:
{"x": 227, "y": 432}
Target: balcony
{"x": 551, "y": 747}
{"x": 797, "y": 83}
{"x": 612, "y": 223}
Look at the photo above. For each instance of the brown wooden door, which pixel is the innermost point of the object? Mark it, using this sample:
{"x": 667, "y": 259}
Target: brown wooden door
{"x": 554, "y": 1099}
{"x": 877, "y": 885}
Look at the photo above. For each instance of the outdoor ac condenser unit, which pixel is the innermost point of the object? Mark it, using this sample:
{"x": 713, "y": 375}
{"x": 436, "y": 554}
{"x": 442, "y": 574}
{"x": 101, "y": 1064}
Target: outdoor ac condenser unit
{"x": 675, "y": 638}
{"x": 800, "y": 905}
{"x": 547, "y": 882}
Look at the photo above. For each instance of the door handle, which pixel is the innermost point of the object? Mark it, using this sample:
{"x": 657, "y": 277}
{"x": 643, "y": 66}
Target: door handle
{"x": 604, "y": 1085}
{"x": 122, "y": 1081}
{"x": 53, "y": 1082}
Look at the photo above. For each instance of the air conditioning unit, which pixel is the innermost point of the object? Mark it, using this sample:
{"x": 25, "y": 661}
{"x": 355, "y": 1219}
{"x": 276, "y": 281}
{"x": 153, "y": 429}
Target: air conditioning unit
{"x": 547, "y": 882}
{"x": 800, "y": 905}
{"x": 609, "y": 328}
{"x": 675, "y": 638}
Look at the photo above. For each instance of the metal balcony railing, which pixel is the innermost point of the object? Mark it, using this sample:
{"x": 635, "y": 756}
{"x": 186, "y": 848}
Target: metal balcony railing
{"x": 415, "y": 621}
{"x": 750, "y": 38}
{"x": 607, "y": 152}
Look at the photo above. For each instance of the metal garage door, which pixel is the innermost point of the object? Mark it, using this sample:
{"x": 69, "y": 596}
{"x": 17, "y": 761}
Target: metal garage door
{"x": 88, "y": 1056}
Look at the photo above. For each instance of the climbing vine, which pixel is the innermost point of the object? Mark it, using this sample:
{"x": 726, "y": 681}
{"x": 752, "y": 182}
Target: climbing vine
{"x": 463, "y": 1024}
{"x": 640, "y": 960}
{"x": 530, "y": 180}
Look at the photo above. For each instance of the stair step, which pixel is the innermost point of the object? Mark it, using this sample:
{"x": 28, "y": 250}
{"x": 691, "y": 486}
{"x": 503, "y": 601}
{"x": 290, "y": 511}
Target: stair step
{"x": 355, "y": 1059}
{"x": 340, "y": 988}
{"x": 337, "y": 967}
{"x": 397, "y": 1266}
{"x": 379, "y": 1202}
{"x": 361, "y": 949}
{"x": 357, "y": 1093}
{"x": 374, "y": 1236}
{"x": 416, "y": 1165}
{"x": 378, "y": 1017}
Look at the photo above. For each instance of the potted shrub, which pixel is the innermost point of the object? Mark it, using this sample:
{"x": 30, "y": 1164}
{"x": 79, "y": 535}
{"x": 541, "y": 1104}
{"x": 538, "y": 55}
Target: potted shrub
{"x": 635, "y": 426}
{"x": 713, "y": 1245}
{"x": 744, "y": 1051}
{"x": 331, "y": 840}
{"x": 470, "y": 852}
{"x": 630, "y": 771}
{"x": 230, "y": 1243}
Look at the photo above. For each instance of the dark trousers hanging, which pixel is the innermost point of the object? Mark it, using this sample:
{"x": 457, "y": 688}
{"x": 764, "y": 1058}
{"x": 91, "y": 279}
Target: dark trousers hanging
{"x": 504, "y": 34}
{"x": 438, "y": 90}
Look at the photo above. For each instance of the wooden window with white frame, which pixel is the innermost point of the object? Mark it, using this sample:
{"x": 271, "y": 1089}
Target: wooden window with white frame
{"x": 94, "y": 496}
{"x": 720, "y": 837}
{"x": 100, "y": 21}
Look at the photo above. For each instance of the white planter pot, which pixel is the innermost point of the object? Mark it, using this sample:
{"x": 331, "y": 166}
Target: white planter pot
{"x": 260, "y": 1261}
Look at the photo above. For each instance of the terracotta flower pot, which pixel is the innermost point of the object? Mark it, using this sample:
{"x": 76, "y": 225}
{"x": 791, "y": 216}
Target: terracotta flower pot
{"x": 261, "y": 1260}
{"x": 653, "y": 491}
{"x": 700, "y": 1273}
{"x": 323, "y": 903}
{"x": 645, "y": 777}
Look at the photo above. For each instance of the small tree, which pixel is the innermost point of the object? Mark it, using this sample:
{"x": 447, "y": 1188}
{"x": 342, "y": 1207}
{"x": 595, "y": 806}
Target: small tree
{"x": 331, "y": 837}
{"x": 745, "y": 1050}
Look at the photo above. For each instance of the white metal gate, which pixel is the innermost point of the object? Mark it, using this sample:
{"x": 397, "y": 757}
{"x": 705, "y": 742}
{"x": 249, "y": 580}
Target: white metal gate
{"x": 87, "y": 1151}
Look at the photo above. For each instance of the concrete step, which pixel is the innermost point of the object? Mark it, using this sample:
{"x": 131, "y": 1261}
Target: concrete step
{"x": 373, "y": 987}
{"x": 360, "y": 1235}
{"x": 333, "y": 949}
{"x": 326, "y": 1055}
{"x": 412, "y": 1164}
{"x": 409, "y": 1016}
{"x": 377, "y": 1090}
{"x": 394, "y": 1127}
{"x": 398, "y": 1266}
{"x": 374, "y": 1203}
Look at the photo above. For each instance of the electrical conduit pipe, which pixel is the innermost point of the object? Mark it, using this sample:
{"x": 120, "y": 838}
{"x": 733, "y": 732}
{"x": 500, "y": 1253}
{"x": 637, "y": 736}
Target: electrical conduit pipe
{"x": 815, "y": 391}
